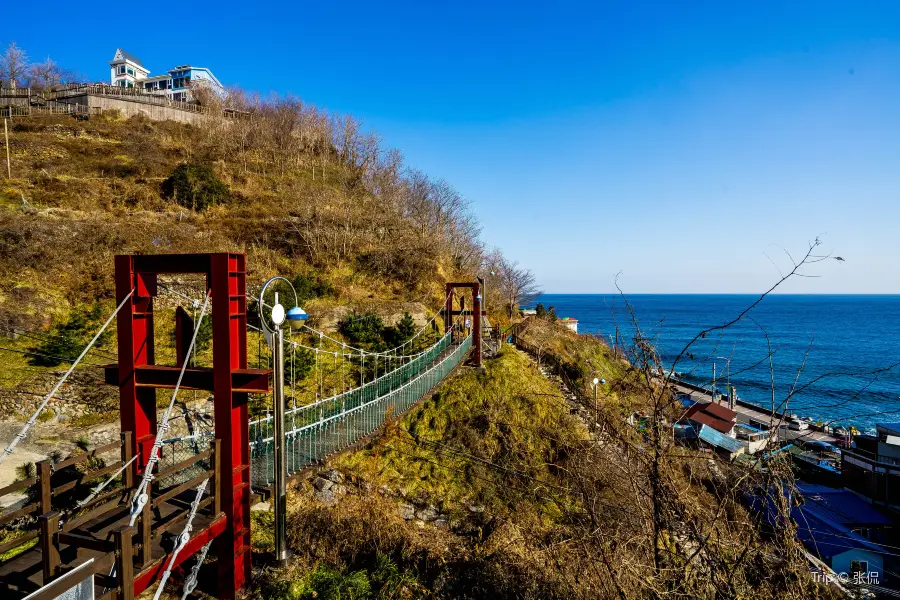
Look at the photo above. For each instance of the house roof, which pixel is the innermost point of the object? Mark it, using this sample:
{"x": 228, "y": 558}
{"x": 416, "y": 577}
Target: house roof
{"x": 723, "y": 412}
{"x": 699, "y": 414}
{"x": 890, "y": 428}
{"x": 827, "y": 517}
{"x": 122, "y": 55}
{"x": 719, "y": 440}
{"x": 841, "y": 506}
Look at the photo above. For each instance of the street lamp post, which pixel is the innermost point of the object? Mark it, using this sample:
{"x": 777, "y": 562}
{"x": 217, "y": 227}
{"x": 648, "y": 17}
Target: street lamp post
{"x": 596, "y": 384}
{"x": 275, "y": 336}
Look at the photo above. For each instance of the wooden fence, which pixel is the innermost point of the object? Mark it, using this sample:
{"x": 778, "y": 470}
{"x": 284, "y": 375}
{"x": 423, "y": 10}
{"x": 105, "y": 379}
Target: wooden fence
{"x": 47, "y": 97}
{"x": 49, "y": 108}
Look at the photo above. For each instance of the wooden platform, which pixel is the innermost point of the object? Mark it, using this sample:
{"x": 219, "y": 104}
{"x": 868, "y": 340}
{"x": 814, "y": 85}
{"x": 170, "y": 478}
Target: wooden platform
{"x": 24, "y": 573}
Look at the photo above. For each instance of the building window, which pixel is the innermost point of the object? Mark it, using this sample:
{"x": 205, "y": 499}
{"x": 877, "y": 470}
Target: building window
{"x": 130, "y": 71}
{"x": 121, "y": 69}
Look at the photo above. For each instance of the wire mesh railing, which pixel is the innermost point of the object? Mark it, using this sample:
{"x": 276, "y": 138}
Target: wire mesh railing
{"x": 318, "y": 430}
{"x": 177, "y": 450}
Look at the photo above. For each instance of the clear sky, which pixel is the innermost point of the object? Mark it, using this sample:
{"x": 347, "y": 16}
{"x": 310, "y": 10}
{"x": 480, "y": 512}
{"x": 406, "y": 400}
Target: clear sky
{"x": 676, "y": 142}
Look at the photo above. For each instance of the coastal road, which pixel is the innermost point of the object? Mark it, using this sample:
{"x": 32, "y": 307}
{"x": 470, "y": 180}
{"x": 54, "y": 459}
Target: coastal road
{"x": 745, "y": 414}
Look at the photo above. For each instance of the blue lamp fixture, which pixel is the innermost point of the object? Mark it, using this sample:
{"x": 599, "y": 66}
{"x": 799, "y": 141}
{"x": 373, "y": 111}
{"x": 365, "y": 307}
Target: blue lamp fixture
{"x": 296, "y": 316}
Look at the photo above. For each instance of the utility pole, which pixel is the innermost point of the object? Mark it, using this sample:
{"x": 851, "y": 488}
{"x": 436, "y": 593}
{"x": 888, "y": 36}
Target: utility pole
{"x": 6, "y": 135}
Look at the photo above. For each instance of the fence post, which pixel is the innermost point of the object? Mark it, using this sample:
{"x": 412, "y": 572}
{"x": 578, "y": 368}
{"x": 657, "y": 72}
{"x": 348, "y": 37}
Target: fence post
{"x": 127, "y": 454}
{"x": 124, "y": 562}
{"x": 45, "y": 468}
{"x": 49, "y": 524}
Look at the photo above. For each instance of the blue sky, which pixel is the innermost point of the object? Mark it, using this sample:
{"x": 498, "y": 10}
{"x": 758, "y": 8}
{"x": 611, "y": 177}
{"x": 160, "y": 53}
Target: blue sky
{"x": 675, "y": 142}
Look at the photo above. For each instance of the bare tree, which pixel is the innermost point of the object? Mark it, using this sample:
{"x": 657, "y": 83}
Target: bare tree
{"x": 13, "y": 65}
{"x": 48, "y": 75}
{"x": 517, "y": 284}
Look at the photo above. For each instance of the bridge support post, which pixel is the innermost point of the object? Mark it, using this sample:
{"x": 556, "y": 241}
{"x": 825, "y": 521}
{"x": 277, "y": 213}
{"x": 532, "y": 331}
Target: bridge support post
{"x": 135, "y": 335}
{"x": 229, "y": 320}
{"x": 229, "y": 380}
{"x": 124, "y": 562}
{"x": 49, "y": 524}
{"x": 448, "y": 308}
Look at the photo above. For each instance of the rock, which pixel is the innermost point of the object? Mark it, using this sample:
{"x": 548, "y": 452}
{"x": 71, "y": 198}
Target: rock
{"x": 326, "y": 496}
{"x": 476, "y": 508}
{"x": 332, "y": 475}
{"x": 322, "y": 484}
{"x": 429, "y": 513}
{"x": 441, "y": 521}
{"x": 407, "y": 511}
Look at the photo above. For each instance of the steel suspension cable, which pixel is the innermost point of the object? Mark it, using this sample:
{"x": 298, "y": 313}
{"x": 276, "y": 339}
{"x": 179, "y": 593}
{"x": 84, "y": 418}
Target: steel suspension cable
{"x": 140, "y": 498}
{"x": 28, "y": 424}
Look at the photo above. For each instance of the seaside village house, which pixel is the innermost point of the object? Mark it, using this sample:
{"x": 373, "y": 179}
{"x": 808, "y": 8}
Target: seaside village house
{"x": 711, "y": 425}
{"x": 840, "y": 528}
{"x": 872, "y": 467}
{"x": 127, "y": 71}
{"x": 570, "y": 323}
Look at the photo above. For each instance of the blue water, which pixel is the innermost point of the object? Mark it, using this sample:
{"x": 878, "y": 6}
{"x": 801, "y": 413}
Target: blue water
{"x": 844, "y": 340}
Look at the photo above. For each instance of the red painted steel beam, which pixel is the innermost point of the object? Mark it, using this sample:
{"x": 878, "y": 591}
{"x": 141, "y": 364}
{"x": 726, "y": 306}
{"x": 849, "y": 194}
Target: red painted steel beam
{"x": 229, "y": 322}
{"x": 173, "y": 263}
{"x": 151, "y": 574}
{"x": 252, "y": 381}
{"x": 134, "y": 327}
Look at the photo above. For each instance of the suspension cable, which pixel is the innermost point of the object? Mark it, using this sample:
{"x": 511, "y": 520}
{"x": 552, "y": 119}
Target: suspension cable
{"x": 183, "y": 539}
{"x": 140, "y": 498}
{"x": 28, "y": 424}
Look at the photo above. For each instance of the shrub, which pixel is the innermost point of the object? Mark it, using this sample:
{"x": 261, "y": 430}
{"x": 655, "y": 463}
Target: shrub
{"x": 66, "y": 340}
{"x": 195, "y": 186}
{"x": 366, "y": 329}
{"x": 402, "y": 331}
{"x": 311, "y": 286}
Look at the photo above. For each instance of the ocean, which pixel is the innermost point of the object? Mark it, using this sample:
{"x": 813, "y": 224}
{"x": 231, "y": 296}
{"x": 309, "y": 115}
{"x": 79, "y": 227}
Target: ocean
{"x": 839, "y": 348}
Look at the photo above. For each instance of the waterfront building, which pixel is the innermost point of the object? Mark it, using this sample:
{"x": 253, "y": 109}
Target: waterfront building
{"x": 839, "y": 527}
{"x": 126, "y": 70}
{"x": 872, "y": 467}
{"x": 570, "y": 323}
{"x": 713, "y": 415}
{"x": 753, "y": 439}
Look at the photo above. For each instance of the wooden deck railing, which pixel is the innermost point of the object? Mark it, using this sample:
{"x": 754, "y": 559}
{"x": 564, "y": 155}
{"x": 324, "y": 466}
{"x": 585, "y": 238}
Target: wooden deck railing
{"x": 56, "y": 527}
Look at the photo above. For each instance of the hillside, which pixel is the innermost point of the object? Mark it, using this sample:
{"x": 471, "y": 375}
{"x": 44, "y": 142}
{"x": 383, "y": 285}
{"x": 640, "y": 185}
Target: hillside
{"x": 512, "y": 483}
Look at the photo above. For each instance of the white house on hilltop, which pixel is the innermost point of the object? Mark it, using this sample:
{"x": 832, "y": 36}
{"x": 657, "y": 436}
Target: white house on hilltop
{"x": 126, "y": 70}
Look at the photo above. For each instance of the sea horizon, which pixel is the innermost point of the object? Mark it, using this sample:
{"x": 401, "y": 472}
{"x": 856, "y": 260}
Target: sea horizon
{"x": 839, "y": 343}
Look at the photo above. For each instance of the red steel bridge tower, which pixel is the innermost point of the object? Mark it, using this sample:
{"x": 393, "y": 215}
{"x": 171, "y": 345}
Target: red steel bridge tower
{"x": 229, "y": 380}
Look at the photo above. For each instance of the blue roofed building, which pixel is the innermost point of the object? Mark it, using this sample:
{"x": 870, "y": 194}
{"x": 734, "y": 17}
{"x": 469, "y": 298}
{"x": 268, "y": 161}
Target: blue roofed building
{"x": 177, "y": 83}
{"x": 724, "y": 445}
{"x": 839, "y": 527}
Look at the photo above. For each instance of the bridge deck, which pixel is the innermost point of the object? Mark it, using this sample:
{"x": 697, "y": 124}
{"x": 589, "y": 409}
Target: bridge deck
{"x": 23, "y": 574}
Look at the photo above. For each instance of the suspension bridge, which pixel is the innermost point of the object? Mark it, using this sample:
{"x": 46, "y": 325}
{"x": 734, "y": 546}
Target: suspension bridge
{"x": 124, "y": 516}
